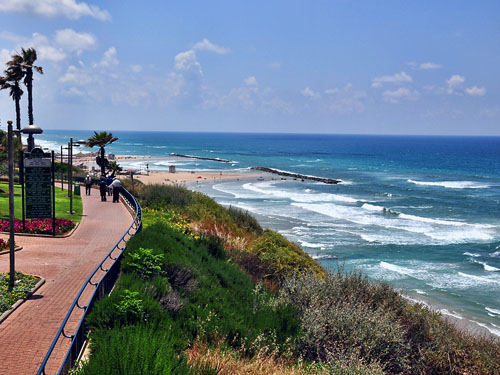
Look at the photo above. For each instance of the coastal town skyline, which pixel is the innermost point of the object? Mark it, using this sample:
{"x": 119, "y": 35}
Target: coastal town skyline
{"x": 330, "y": 67}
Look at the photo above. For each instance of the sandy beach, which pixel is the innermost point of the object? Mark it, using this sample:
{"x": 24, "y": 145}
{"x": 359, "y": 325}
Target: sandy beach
{"x": 164, "y": 177}
{"x": 180, "y": 178}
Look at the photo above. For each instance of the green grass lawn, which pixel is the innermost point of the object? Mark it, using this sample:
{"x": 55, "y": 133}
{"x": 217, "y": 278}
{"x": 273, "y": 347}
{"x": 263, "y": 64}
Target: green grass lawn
{"x": 62, "y": 203}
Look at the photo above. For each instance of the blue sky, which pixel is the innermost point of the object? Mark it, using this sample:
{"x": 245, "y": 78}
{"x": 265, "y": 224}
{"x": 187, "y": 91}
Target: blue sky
{"x": 337, "y": 66}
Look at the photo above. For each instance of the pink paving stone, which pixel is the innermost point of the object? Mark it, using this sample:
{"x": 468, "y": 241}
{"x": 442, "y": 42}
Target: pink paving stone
{"x": 65, "y": 263}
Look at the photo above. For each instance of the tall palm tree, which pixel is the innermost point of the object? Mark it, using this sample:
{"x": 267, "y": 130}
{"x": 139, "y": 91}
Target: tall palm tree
{"x": 26, "y": 61}
{"x": 13, "y": 75}
{"x": 114, "y": 167}
{"x": 101, "y": 139}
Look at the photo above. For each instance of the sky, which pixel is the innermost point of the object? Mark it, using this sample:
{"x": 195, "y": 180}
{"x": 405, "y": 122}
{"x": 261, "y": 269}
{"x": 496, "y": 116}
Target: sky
{"x": 333, "y": 66}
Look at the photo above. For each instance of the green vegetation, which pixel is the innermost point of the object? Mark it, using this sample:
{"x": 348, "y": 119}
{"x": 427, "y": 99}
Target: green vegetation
{"x": 24, "y": 283}
{"x": 62, "y": 203}
{"x": 102, "y": 139}
{"x": 213, "y": 294}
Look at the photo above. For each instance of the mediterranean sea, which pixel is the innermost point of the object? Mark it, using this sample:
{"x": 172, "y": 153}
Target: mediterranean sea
{"x": 421, "y": 213}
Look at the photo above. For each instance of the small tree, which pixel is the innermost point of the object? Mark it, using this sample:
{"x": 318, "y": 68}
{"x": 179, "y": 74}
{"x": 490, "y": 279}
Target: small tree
{"x": 25, "y": 61}
{"x": 114, "y": 167}
{"x": 13, "y": 75}
{"x": 101, "y": 139}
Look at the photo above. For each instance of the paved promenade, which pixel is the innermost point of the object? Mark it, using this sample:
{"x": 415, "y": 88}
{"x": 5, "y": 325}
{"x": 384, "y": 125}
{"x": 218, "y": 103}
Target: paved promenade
{"x": 65, "y": 263}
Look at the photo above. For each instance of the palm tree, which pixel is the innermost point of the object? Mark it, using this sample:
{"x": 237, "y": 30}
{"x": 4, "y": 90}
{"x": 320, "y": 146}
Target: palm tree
{"x": 101, "y": 139}
{"x": 13, "y": 75}
{"x": 114, "y": 167}
{"x": 26, "y": 62}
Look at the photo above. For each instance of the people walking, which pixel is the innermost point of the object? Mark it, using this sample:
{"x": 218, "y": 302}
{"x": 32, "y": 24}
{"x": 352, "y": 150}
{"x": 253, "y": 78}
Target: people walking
{"x": 109, "y": 181}
{"x": 103, "y": 188}
{"x": 88, "y": 184}
{"x": 116, "y": 185}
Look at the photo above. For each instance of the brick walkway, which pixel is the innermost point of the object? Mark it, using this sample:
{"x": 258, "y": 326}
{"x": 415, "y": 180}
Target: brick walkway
{"x": 65, "y": 263}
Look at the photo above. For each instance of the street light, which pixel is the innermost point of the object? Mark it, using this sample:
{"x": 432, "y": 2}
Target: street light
{"x": 72, "y": 144}
{"x": 30, "y": 130}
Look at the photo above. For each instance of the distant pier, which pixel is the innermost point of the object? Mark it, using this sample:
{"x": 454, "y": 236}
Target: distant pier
{"x": 202, "y": 158}
{"x": 297, "y": 175}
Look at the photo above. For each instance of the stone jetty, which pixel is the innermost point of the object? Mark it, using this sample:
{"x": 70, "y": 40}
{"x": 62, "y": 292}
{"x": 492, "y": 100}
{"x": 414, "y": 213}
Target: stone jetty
{"x": 297, "y": 175}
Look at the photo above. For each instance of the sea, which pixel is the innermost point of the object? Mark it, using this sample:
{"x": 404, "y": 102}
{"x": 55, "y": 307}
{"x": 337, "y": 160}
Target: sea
{"x": 419, "y": 212}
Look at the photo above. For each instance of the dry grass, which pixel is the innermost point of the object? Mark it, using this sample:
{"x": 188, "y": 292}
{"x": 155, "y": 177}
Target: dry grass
{"x": 230, "y": 362}
{"x": 232, "y": 237}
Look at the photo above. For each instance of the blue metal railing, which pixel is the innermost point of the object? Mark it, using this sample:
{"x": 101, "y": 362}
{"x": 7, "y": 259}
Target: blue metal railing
{"x": 100, "y": 289}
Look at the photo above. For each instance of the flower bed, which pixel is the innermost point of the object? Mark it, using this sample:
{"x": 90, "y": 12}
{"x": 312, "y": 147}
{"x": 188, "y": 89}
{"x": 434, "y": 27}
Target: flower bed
{"x": 24, "y": 283}
{"x": 38, "y": 226}
{"x": 3, "y": 244}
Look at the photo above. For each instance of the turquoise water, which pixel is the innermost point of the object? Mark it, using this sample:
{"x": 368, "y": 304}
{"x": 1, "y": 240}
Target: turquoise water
{"x": 419, "y": 212}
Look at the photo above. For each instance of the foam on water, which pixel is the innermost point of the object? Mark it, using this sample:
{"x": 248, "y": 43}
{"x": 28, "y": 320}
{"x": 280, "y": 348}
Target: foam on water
{"x": 481, "y": 279}
{"x": 312, "y": 245}
{"x": 430, "y": 231}
{"x": 493, "y": 311}
{"x": 452, "y": 184}
{"x": 268, "y": 188}
{"x": 494, "y": 331}
{"x": 472, "y": 254}
{"x": 453, "y": 314}
{"x": 486, "y": 266}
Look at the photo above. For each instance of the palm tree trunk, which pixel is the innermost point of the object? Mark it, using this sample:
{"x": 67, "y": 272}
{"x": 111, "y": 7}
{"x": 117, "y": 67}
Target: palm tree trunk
{"x": 103, "y": 166}
{"x": 18, "y": 120}
{"x": 29, "y": 85}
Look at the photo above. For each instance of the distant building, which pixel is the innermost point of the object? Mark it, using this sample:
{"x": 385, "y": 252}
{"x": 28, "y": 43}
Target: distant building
{"x": 171, "y": 169}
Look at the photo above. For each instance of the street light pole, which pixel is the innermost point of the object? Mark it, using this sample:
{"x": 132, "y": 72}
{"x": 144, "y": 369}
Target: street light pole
{"x": 70, "y": 175}
{"x": 62, "y": 169}
{"x": 12, "y": 268}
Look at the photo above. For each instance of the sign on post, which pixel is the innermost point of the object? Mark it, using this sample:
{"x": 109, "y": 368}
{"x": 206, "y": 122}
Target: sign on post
{"x": 38, "y": 183}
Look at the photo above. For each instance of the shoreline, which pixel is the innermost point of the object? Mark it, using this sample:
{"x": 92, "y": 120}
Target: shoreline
{"x": 193, "y": 178}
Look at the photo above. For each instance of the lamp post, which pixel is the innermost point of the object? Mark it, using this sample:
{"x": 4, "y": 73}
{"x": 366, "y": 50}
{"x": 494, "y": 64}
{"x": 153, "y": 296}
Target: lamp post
{"x": 71, "y": 144}
{"x": 12, "y": 268}
{"x": 30, "y": 130}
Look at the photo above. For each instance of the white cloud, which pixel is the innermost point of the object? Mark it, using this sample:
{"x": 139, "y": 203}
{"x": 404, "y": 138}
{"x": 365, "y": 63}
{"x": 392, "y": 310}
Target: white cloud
{"x": 476, "y": 91}
{"x": 424, "y": 66}
{"x": 109, "y": 58}
{"x": 455, "y": 80}
{"x": 429, "y": 65}
{"x": 186, "y": 61}
{"x": 75, "y": 76}
{"x": 7, "y": 35}
{"x": 50, "y": 53}
{"x": 402, "y": 93}
{"x": 275, "y": 65}
{"x": 73, "y": 91}
{"x": 397, "y": 78}
{"x": 70, "y": 9}
{"x": 310, "y": 93}
{"x": 206, "y": 45}
{"x": 345, "y": 100}
{"x": 454, "y": 84}
{"x": 4, "y": 56}
{"x": 250, "y": 81}
{"x": 71, "y": 40}
{"x": 136, "y": 68}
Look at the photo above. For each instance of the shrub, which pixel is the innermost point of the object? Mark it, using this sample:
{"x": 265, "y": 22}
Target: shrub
{"x": 165, "y": 195}
{"x": 284, "y": 257}
{"x": 244, "y": 220}
{"x": 134, "y": 350}
{"x": 143, "y": 262}
{"x": 340, "y": 324}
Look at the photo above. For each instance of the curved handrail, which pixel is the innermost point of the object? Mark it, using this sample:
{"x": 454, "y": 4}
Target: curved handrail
{"x": 101, "y": 287}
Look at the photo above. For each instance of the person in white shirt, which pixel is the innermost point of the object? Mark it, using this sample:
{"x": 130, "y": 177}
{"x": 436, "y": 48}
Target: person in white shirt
{"x": 116, "y": 185}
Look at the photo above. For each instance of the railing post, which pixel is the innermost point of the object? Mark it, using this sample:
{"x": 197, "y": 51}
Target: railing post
{"x": 101, "y": 288}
